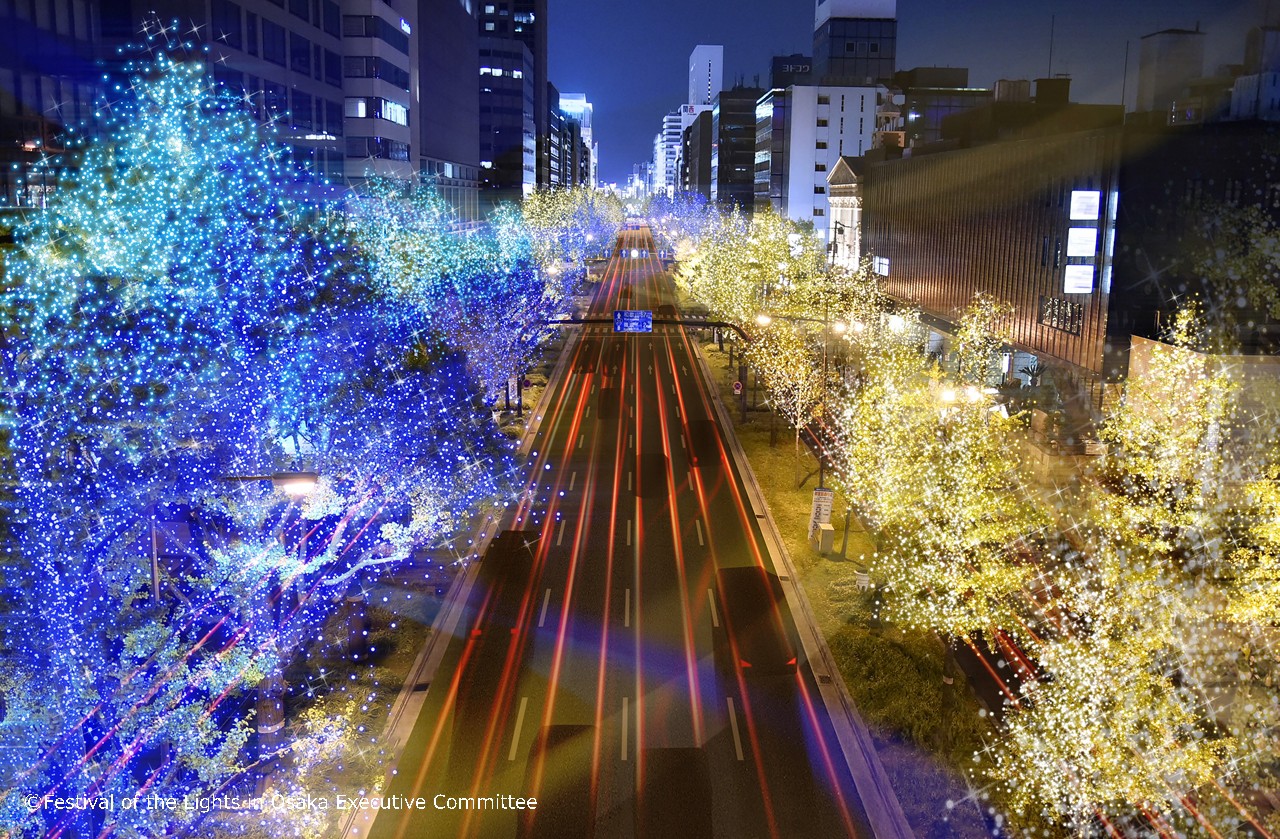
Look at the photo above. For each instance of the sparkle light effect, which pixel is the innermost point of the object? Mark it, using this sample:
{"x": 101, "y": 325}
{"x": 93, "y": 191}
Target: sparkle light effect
{"x": 180, "y": 319}
{"x": 1139, "y": 610}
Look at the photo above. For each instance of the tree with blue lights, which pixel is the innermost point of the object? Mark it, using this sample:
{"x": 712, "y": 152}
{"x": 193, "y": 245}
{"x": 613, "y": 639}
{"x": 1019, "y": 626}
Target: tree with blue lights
{"x": 483, "y": 292}
{"x": 186, "y": 322}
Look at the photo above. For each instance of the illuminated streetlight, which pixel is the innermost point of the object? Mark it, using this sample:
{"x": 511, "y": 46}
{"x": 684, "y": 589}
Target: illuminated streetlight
{"x": 763, "y": 319}
{"x": 296, "y": 484}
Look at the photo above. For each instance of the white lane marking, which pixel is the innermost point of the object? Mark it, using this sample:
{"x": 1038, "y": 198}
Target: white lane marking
{"x": 626, "y": 715}
{"x": 629, "y": 441}
{"x": 733, "y": 723}
{"x": 546, "y": 599}
{"x": 587, "y": 413}
{"x": 581, "y": 437}
{"x": 697, "y": 523}
{"x": 626, "y": 609}
{"x": 628, "y": 531}
{"x": 682, "y": 441}
{"x": 593, "y": 388}
{"x": 560, "y": 534}
{"x": 674, "y": 391}
{"x": 628, "y": 482}
{"x": 677, "y": 412}
{"x": 715, "y": 616}
{"x": 572, "y": 478}
{"x": 515, "y": 738}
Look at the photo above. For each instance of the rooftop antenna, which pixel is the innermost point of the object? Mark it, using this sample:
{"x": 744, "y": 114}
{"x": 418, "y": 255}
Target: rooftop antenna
{"x": 1053, "y": 19}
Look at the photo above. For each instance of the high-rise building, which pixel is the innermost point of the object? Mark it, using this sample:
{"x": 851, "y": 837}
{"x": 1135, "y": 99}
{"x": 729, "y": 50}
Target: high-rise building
{"x": 576, "y": 106}
{"x": 706, "y": 74}
{"x": 695, "y": 156}
{"x": 508, "y": 133}
{"x": 733, "y": 152}
{"x": 801, "y": 132}
{"x": 524, "y": 21}
{"x": 855, "y": 42}
{"x": 448, "y": 121}
{"x": 667, "y": 151}
{"x": 1167, "y": 62}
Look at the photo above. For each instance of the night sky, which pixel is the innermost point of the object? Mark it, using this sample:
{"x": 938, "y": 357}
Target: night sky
{"x": 630, "y": 57}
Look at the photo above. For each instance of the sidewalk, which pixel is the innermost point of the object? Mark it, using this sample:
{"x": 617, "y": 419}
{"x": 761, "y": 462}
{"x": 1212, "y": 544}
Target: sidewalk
{"x": 897, "y": 681}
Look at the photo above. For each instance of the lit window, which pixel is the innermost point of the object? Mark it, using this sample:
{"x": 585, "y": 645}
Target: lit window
{"x": 484, "y": 71}
{"x": 517, "y": 74}
{"x": 1082, "y": 241}
{"x": 488, "y": 27}
{"x": 357, "y": 107}
{"x": 488, "y": 9}
{"x": 395, "y": 112}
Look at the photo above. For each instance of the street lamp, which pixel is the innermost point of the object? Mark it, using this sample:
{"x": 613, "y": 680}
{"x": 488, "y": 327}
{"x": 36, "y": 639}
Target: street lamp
{"x": 295, "y": 484}
{"x": 270, "y": 701}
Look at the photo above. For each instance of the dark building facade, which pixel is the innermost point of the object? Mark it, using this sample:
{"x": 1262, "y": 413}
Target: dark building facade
{"x": 931, "y": 95}
{"x": 448, "y": 118}
{"x": 695, "y": 161}
{"x": 733, "y": 125}
{"x": 508, "y": 133}
{"x": 855, "y": 42}
{"x": 523, "y": 21}
{"x": 48, "y": 80}
{"x": 1093, "y": 235}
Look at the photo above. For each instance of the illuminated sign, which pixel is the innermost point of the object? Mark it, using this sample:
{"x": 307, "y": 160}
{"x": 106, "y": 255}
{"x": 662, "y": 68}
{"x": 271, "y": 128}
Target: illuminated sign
{"x": 1078, "y": 279}
{"x": 1082, "y": 241}
{"x": 632, "y": 320}
{"x": 1085, "y": 204}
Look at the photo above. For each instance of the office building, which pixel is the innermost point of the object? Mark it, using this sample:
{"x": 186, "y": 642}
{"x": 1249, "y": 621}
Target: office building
{"x": 576, "y": 106}
{"x": 508, "y": 131}
{"x": 733, "y": 152}
{"x": 801, "y": 132}
{"x": 930, "y": 95}
{"x": 706, "y": 74}
{"x": 1167, "y": 62}
{"x": 448, "y": 118}
{"x": 48, "y": 79}
{"x": 525, "y": 22}
{"x": 854, "y": 42}
{"x": 695, "y": 156}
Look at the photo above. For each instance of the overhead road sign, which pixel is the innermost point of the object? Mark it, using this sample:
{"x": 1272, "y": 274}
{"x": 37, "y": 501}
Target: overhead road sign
{"x": 632, "y": 320}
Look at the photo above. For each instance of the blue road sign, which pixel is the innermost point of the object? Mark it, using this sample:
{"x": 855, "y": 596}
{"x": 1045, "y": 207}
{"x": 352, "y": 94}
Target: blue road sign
{"x": 632, "y": 320}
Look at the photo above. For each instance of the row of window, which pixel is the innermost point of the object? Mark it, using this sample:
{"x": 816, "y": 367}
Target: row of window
{"x": 236, "y": 28}
{"x": 372, "y": 26}
{"x": 295, "y": 108}
{"x": 372, "y": 67}
{"x": 373, "y": 107}
{"x": 379, "y": 148}
{"x": 498, "y": 71}
{"x": 65, "y": 17}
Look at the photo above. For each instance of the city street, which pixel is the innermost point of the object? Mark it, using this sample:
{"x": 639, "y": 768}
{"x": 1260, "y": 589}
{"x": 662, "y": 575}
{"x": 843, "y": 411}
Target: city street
{"x": 594, "y": 668}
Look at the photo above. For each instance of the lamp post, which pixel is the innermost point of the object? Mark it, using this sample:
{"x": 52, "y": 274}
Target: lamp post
{"x": 269, "y": 705}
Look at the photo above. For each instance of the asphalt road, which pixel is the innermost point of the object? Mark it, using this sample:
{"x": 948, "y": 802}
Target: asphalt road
{"x": 593, "y": 669}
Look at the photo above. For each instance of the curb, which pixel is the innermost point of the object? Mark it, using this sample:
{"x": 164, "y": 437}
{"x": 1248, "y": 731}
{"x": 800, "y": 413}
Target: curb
{"x": 879, "y": 799}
